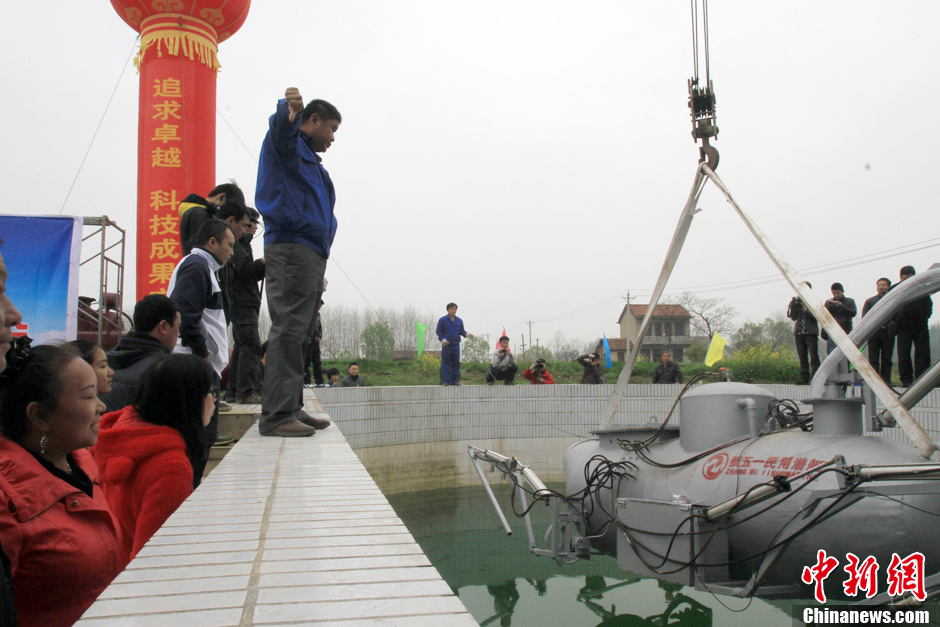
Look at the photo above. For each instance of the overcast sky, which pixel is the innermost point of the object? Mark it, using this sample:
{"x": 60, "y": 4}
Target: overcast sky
{"x": 524, "y": 159}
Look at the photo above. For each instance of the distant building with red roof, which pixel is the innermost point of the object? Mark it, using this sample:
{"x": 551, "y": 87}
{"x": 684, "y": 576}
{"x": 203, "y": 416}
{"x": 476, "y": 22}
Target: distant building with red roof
{"x": 668, "y": 331}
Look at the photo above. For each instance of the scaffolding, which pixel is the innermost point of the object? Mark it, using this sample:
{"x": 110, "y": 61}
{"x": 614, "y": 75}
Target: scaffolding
{"x": 101, "y": 319}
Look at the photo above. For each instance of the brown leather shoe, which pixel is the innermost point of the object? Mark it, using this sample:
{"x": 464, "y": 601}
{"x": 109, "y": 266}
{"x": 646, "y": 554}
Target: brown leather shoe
{"x": 311, "y": 421}
{"x": 291, "y": 429}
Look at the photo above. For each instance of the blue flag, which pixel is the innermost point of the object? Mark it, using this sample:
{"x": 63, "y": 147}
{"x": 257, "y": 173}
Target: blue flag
{"x": 607, "y": 352}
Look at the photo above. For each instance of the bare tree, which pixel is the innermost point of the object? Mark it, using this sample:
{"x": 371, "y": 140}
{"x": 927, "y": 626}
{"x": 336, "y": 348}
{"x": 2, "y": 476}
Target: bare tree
{"x": 343, "y": 327}
{"x": 709, "y": 315}
{"x": 565, "y": 349}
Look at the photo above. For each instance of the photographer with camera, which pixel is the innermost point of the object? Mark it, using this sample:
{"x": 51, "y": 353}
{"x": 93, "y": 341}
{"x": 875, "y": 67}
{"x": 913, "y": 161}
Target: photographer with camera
{"x": 593, "y": 373}
{"x": 504, "y": 366}
{"x": 538, "y": 374}
{"x": 842, "y": 309}
{"x": 805, "y": 335}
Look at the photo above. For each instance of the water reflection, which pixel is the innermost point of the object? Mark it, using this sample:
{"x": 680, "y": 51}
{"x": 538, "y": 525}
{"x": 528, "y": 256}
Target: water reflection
{"x": 501, "y": 583}
{"x": 680, "y": 609}
{"x": 505, "y": 596}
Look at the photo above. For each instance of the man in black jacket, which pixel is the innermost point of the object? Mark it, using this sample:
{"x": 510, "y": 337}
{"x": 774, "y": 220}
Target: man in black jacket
{"x": 244, "y": 303}
{"x": 667, "y": 371}
{"x": 194, "y": 210}
{"x": 912, "y": 332}
{"x": 805, "y": 336}
{"x": 156, "y": 328}
{"x": 843, "y": 309}
{"x": 881, "y": 344}
{"x": 352, "y": 378}
{"x": 591, "y": 363}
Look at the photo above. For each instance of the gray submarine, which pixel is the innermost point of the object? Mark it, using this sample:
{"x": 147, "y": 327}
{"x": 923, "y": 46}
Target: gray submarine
{"x": 736, "y": 491}
{"x": 739, "y": 497}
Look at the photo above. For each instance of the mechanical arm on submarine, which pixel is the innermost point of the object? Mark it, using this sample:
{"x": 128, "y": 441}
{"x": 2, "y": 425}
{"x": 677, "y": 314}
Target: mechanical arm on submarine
{"x": 739, "y": 493}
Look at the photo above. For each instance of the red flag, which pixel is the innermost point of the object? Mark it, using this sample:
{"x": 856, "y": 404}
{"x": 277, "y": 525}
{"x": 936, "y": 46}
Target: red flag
{"x": 501, "y": 335}
{"x": 21, "y": 330}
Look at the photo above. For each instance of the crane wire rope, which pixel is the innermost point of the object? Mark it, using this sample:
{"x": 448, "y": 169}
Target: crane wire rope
{"x": 94, "y": 135}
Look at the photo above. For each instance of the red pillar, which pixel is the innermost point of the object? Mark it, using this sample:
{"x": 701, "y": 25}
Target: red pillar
{"x": 178, "y": 62}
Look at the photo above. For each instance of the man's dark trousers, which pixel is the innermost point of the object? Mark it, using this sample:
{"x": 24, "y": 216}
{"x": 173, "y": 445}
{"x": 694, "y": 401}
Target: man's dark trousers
{"x": 246, "y": 357}
{"x": 212, "y": 431}
{"x": 312, "y": 358}
{"x": 450, "y": 364}
{"x": 879, "y": 354}
{"x": 807, "y": 349}
{"x": 294, "y": 279}
{"x": 920, "y": 340}
{"x": 506, "y": 375}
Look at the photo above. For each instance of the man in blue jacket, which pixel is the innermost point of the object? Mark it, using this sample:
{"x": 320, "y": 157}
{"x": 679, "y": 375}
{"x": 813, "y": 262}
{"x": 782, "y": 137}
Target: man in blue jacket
{"x": 296, "y": 198}
{"x": 449, "y": 331}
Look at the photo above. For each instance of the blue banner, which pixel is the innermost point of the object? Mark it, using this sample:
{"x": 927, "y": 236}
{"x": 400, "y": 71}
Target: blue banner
{"x": 42, "y": 256}
{"x": 607, "y": 352}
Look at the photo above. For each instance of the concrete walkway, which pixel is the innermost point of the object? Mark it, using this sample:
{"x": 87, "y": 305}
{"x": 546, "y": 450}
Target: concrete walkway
{"x": 283, "y": 531}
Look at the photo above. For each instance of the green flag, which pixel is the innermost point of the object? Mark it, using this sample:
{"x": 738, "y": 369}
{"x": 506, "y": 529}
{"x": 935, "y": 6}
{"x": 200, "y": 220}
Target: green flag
{"x": 422, "y": 330}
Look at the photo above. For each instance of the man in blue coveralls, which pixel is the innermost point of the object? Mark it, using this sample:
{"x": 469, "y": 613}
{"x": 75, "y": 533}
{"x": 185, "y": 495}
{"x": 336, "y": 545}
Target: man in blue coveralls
{"x": 449, "y": 330}
{"x": 296, "y": 197}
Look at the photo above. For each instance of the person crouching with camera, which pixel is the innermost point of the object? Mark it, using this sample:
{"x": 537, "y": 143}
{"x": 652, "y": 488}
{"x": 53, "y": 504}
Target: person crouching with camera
{"x": 538, "y": 374}
{"x": 504, "y": 366}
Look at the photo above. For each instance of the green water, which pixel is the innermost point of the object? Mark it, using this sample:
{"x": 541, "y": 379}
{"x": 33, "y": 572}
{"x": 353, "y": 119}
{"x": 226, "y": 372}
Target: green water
{"x": 501, "y": 583}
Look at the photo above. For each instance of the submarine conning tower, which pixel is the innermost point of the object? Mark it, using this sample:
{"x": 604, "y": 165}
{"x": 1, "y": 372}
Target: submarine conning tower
{"x": 717, "y": 413}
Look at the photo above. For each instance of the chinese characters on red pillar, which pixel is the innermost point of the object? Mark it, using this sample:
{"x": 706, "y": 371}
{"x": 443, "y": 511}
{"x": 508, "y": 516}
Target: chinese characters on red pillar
{"x": 903, "y": 575}
{"x": 166, "y": 151}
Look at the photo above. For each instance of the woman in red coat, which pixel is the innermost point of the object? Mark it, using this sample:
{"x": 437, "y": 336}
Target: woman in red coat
{"x": 55, "y": 526}
{"x": 147, "y": 451}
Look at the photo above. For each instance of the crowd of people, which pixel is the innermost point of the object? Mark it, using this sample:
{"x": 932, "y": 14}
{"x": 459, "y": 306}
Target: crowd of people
{"x": 98, "y": 449}
{"x": 907, "y": 331}
{"x": 503, "y": 366}
{"x": 83, "y": 488}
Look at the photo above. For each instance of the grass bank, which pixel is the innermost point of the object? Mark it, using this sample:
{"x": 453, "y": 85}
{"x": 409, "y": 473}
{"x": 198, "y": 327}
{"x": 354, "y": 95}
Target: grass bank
{"x": 753, "y": 367}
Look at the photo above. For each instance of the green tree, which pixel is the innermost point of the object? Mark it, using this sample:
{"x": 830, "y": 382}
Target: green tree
{"x": 749, "y": 334}
{"x": 532, "y": 353}
{"x": 377, "y": 341}
{"x": 696, "y": 352}
{"x": 428, "y": 364}
{"x": 474, "y": 349}
{"x": 773, "y": 332}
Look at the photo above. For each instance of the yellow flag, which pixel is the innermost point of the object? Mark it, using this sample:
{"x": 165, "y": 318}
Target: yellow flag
{"x": 716, "y": 350}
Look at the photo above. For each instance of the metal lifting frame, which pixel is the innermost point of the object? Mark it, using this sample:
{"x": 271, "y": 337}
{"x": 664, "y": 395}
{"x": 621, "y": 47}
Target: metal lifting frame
{"x": 885, "y": 394}
{"x": 565, "y": 537}
{"x": 105, "y": 264}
